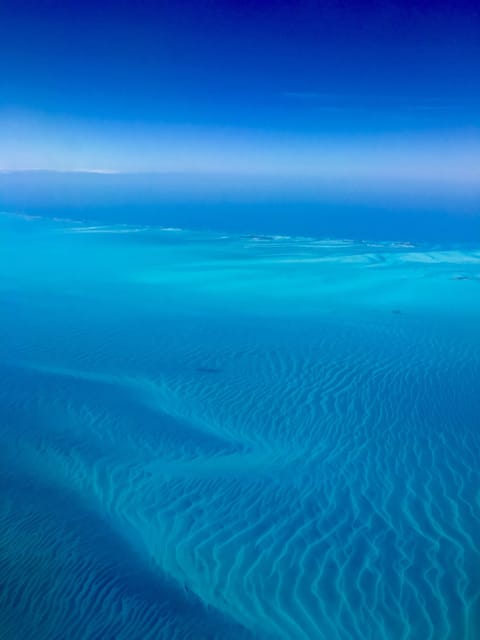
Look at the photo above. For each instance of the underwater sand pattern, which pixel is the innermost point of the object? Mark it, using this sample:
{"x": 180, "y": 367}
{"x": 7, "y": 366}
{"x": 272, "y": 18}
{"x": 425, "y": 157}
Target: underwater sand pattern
{"x": 209, "y": 436}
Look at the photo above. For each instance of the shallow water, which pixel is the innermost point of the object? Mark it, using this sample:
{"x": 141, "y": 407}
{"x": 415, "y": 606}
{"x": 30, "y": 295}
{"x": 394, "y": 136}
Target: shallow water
{"x": 211, "y": 436}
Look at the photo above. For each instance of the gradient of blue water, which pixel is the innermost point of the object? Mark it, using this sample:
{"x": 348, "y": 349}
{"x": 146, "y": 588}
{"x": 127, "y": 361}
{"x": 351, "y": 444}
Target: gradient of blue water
{"x": 237, "y": 437}
{"x": 242, "y": 204}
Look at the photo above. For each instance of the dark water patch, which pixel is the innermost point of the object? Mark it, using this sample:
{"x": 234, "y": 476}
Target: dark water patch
{"x": 121, "y": 581}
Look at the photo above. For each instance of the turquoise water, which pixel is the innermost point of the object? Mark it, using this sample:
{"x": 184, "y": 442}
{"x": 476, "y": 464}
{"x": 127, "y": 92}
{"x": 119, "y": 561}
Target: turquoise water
{"x": 212, "y": 436}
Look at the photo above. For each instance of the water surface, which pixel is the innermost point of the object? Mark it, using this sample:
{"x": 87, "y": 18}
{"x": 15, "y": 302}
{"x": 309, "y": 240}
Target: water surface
{"x": 223, "y": 436}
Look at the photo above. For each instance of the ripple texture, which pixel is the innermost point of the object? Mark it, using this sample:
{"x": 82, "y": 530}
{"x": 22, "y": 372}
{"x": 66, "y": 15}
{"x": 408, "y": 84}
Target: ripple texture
{"x": 218, "y": 437}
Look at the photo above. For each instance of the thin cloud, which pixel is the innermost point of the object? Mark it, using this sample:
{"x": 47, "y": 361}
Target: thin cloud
{"x": 42, "y": 170}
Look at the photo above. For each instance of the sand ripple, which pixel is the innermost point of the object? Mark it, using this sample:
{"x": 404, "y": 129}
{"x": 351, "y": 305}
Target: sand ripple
{"x": 195, "y": 454}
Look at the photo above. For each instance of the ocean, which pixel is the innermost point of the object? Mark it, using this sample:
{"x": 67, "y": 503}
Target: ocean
{"x": 227, "y": 435}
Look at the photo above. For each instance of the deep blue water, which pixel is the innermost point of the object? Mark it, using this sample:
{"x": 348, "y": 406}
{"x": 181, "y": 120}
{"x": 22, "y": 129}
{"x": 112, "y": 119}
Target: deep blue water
{"x": 246, "y": 204}
{"x": 205, "y": 435}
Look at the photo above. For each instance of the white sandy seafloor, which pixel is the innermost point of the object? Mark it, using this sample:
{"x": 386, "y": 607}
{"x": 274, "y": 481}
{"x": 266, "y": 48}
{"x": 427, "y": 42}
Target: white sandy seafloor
{"x": 207, "y": 435}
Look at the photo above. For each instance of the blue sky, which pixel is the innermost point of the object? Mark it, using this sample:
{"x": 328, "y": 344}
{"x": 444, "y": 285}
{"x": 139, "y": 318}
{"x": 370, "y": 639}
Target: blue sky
{"x": 378, "y": 91}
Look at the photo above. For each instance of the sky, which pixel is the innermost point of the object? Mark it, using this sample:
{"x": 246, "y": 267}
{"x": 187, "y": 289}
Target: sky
{"x": 377, "y": 95}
